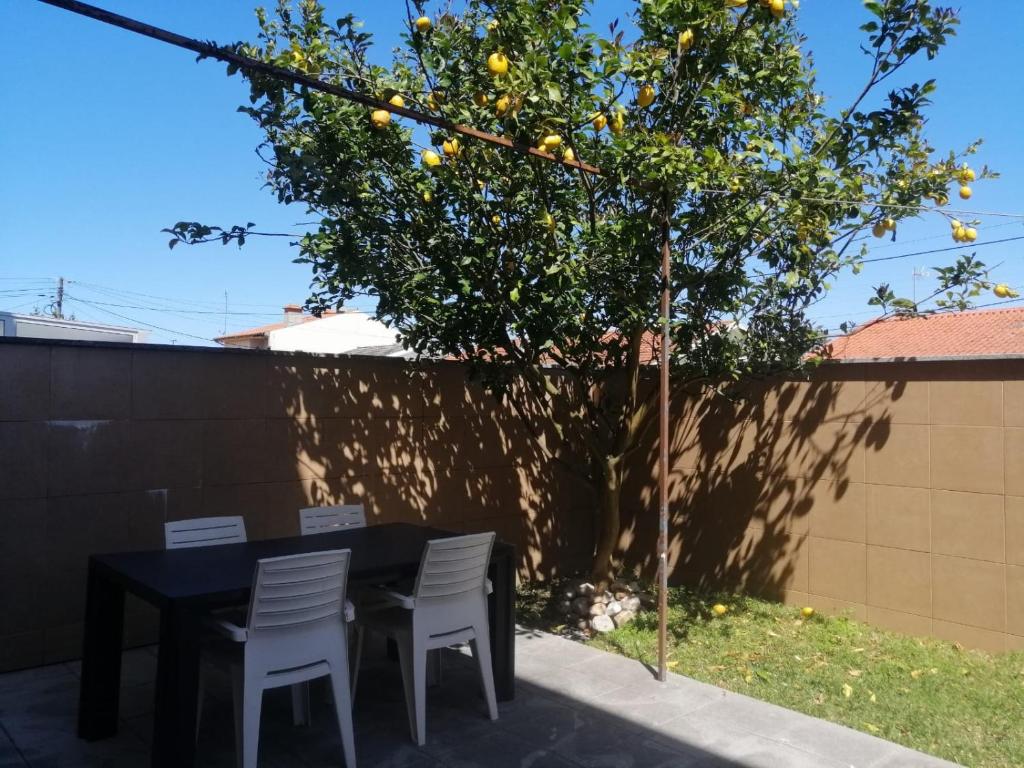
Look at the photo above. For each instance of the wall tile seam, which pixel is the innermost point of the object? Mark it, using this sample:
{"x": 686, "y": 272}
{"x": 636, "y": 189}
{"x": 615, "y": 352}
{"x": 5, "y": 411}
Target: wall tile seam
{"x": 1002, "y": 632}
{"x": 969, "y": 559}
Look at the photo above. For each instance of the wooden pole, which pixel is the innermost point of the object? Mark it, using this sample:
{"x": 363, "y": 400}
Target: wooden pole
{"x": 663, "y": 441}
{"x": 215, "y": 51}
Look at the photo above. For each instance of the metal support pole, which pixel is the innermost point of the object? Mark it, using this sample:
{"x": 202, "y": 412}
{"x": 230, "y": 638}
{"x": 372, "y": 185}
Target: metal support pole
{"x": 663, "y": 474}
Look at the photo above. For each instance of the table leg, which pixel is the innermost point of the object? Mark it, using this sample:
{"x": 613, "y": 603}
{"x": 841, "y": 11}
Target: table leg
{"x": 177, "y": 689}
{"x": 503, "y": 625}
{"x": 101, "y": 657}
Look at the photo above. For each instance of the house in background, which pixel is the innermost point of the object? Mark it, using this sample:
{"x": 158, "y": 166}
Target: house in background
{"x": 59, "y": 328}
{"x": 979, "y": 333}
{"x": 345, "y": 331}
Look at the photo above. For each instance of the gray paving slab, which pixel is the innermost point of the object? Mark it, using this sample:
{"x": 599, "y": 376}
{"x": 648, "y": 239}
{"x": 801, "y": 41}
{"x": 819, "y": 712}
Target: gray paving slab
{"x": 576, "y": 707}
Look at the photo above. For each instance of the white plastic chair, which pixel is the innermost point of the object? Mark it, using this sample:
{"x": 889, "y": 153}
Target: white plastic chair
{"x": 448, "y": 606}
{"x": 204, "y": 532}
{"x": 295, "y": 632}
{"x": 312, "y": 521}
{"x": 327, "y": 519}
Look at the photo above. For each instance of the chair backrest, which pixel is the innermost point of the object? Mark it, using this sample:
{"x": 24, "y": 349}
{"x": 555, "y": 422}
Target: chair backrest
{"x": 204, "y": 532}
{"x": 298, "y": 592}
{"x": 454, "y": 566}
{"x": 327, "y": 519}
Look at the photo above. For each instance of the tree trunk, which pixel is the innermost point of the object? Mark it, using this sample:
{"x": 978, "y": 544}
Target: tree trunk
{"x": 609, "y": 523}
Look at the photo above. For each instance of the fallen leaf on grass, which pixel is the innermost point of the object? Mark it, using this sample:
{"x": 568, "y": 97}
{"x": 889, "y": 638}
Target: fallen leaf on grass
{"x": 871, "y": 727}
{"x": 916, "y": 673}
{"x": 874, "y": 699}
{"x": 854, "y": 672}
{"x": 671, "y": 664}
{"x": 847, "y": 690}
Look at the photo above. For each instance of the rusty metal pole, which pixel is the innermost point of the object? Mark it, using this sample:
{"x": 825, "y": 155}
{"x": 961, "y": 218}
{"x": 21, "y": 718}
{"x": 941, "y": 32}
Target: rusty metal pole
{"x": 663, "y": 441}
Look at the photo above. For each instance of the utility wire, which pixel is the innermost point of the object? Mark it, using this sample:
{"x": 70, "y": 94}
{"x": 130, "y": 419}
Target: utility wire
{"x": 140, "y": 322}
{"x": 942, "y": 250}
{"x": 219, "y": 313}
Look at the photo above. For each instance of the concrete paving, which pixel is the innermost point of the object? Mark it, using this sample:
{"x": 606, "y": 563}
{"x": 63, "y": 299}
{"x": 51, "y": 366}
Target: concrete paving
{"x": 575, "y": 706}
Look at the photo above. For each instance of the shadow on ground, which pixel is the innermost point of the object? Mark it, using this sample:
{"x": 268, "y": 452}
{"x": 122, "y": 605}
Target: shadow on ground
{"x": 575, "y": 706}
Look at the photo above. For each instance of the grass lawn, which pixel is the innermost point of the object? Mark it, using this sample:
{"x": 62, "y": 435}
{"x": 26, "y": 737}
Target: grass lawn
{"x": 934, "y": 696}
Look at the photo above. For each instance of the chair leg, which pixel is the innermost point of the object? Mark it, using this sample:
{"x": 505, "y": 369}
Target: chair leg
{"x": 252, "y": 703}
{"x": 300, "y": 704}
{"x": 481, "y": 647}
{"x": 200, "y": 695}
{"x": 358, "y": 657}
{"x": 413, "y": 659}
{"x": 237, "y": 698}
{"x": 343, "y": 707}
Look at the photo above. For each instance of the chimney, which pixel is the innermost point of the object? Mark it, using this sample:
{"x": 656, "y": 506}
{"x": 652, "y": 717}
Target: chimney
{"x": 292, "y": 314}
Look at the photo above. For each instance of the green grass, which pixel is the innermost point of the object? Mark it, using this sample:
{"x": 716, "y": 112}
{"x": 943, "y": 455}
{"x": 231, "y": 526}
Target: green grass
{"x": 934, "y": 696}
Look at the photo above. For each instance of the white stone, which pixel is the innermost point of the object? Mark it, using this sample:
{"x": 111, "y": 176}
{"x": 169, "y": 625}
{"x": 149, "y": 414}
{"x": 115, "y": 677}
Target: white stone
{"x": 597, "y": 609}
{"x": 602, "y": 624}
{"x": 631, "y": 604}
{"x": 623, "y": 617}
{"x": 613, "y": 607}
{"x": 585, "y": 589}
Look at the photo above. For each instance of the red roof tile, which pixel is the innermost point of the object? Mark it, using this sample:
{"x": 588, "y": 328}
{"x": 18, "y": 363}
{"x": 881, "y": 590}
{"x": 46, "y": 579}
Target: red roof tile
{"x": 976, "y": 333}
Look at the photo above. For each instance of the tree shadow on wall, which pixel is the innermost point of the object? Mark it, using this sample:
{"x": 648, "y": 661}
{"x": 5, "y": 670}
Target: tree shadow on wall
{"x": 752, "y": 475}
{"x": 418, "y": 443}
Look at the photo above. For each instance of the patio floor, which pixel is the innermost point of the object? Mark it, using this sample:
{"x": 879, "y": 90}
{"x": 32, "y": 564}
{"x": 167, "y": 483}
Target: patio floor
{"x": 575, "y": 706}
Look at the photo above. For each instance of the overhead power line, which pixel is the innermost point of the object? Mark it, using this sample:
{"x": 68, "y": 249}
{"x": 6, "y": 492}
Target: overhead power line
{"x": 942, "y": 250}
{"x": 218, "y": 313}
{"x": 135, "y": 321}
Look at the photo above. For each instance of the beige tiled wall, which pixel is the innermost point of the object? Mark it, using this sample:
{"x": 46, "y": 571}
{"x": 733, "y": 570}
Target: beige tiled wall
{"x": 894, "y": 492}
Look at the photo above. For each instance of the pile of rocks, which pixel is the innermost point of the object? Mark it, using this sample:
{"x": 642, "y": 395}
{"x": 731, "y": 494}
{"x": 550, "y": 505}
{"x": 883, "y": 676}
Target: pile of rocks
{"x": 592, "y": 610}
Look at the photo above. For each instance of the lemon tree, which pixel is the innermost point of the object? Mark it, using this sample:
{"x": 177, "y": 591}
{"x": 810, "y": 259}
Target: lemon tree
{"x": 706, "y": 122}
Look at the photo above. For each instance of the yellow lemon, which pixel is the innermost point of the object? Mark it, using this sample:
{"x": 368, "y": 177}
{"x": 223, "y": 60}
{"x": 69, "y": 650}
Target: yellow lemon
{"x": 719, "y": 610}
{"x": 435, "y": 99}
{"x": 967, "y": 176}
{"x": 965, "y": 192}
{"x": 686, "y": 39}
{"x": 1002, "y": 291}
{"x": 422, "y": 24}
{"x": 451, "y": 147}
{"x": 960, "y": 234}
{"x": 492, "y": 25}
{"x": 548, "y": 221}
{"x": 879, "y": 229}
{"x": 569, "y": 156}
{"x": 480, "y": 99}
{"x": 618, "y": 122}
{"x": 889, "y": 224}
{"x": 551, "y": 141}
{"x": 497, "y": 64}
{"x": 807, "y": 612}
{"x": 430, "y": 158}
{"x": 970, "y": 234}
{"x": 428, "y": 196}
{"x": 496, "y": 219}
{"x": 599, "y": 122}
{"x": 396, "y": 101}
{"x": 778, "y": 8}
{"x": 380, "y": 118}
{"x": 645, "y": 97}
{"x": 501, "y": 106}
{"x": 735, "y": 3}
{"x": 955, "y": 223}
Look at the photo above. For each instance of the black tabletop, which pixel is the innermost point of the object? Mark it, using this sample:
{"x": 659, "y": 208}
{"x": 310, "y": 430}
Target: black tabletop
{"x": 223, "y": 574}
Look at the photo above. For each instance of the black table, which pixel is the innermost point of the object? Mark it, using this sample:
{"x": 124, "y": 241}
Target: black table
{"x": 183, "y": 583}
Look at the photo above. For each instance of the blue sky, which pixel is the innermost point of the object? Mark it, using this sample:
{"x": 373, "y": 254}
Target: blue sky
{"x": 108, "y": 137}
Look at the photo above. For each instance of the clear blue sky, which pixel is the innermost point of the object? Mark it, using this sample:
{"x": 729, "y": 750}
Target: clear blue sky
{"x": 108, "y": 137}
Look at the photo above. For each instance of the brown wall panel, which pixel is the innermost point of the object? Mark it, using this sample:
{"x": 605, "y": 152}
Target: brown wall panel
{"x": 877, "y": 490}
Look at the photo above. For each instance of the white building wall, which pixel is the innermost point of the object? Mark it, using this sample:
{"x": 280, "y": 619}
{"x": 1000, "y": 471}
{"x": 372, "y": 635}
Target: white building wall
{"x": 332, "y": 334}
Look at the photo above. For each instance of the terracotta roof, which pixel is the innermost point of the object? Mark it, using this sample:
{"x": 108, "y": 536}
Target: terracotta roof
{"x": 976, "y": 333}
{"x": 263, "y": 330}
